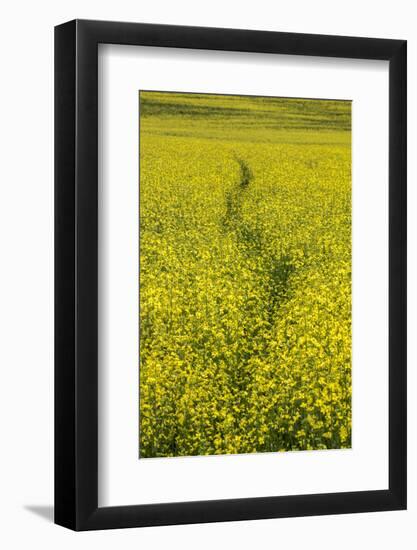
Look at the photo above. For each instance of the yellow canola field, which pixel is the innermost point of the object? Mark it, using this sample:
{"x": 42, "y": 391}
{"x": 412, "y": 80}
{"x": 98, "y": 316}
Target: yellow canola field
{"x": 245, "y": 274}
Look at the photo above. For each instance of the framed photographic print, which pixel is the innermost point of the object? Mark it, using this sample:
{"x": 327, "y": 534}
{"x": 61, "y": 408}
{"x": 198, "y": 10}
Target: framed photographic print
{"x": 230, "y": 253}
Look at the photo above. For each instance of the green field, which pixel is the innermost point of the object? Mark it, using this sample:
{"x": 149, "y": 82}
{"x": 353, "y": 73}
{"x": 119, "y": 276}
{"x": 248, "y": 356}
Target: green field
{"x": 245, "y": 274}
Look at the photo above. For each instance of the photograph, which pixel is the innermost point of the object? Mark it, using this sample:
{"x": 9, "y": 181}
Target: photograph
{"x": 230, "y": 275}
{"x": 245, "y": 274}
{"x": 209, "y": 271}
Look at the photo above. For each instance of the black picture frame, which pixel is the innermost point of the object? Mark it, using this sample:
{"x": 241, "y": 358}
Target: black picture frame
{"x": 76, "y": 272}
